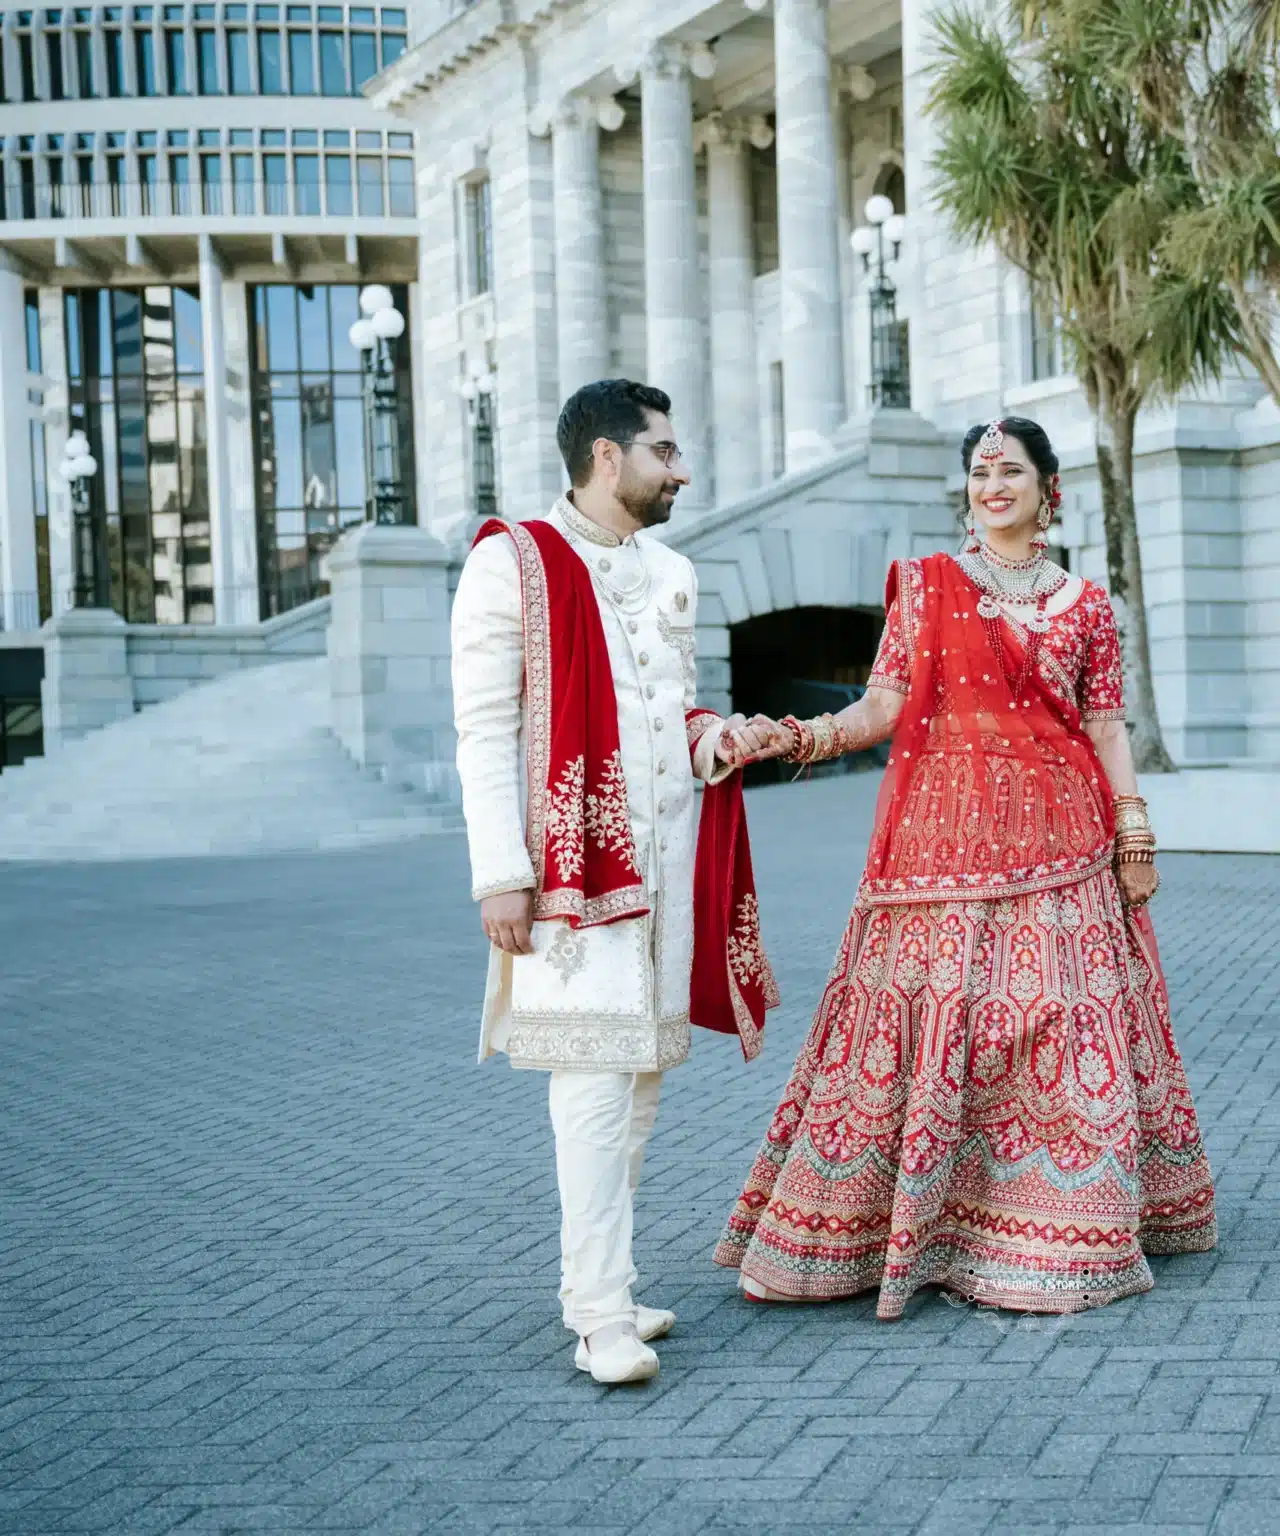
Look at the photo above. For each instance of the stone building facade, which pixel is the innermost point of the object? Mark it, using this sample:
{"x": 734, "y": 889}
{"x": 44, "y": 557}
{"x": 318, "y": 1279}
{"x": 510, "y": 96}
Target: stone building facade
{"x": 611, "y": 187}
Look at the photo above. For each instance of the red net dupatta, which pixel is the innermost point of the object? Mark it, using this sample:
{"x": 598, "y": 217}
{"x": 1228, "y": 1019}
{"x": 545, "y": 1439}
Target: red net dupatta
{"x": 986, "y": 794}
{"x": 732, "y": 984}
{"x": 578, "y": 828}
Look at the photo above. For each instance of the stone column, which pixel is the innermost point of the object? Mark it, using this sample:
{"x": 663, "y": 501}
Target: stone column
{"x": 677, "y": 354}
{"x": 86, "y": 675}
{"x": 582, "y": 313}
{"x": 808, "y": 231}
{"x": 19, "y": 599}
{"x": 388, "y": 648}
{"x": 56, "y": 414}
{"x": 241, "y": 539}
{"x": 212, "y": 336}
{"x": 734, "y": 387}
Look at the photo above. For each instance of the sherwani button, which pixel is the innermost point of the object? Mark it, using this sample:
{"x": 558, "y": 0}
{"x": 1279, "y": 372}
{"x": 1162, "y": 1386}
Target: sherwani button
{"x": 606, "y": 565}
{"x": 632, "y": 626}
{"x": 662, "y": 805}
{"x": 662, "y": 765}
{"x": 662, "y": 846}
{"x": 649, "y": 690}
{"x": 643, "y": 658}
{"x": 657, "y": 725}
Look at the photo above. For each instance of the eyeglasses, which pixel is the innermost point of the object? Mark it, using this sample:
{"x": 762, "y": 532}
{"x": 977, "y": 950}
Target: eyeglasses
{"x": 668, "y": 452}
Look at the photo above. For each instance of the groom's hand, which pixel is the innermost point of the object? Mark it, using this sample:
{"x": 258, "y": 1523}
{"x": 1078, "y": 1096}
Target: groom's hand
{"x": 507, "y": 920}
{"x": 751, "y": 741}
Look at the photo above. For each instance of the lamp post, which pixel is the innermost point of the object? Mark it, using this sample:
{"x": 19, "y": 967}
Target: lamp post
{"x": 78, "y": 468}
{"x": 890, "y": 376}
{"x": 380, "y": 323}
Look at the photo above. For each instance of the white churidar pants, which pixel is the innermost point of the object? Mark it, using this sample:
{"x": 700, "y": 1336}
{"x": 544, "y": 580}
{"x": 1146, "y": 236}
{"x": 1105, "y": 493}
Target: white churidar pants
{"x": 602, "y": 1121}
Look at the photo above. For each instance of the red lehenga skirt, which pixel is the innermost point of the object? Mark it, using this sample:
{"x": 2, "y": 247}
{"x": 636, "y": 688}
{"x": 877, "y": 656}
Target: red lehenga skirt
{"x": 990, "y": 1098}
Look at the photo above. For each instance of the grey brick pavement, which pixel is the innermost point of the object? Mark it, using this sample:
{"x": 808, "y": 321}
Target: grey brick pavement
{"x": 278, "y": 1257}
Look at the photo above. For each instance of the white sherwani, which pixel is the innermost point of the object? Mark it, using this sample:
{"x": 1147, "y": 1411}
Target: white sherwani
{"x": 612, "y": 998}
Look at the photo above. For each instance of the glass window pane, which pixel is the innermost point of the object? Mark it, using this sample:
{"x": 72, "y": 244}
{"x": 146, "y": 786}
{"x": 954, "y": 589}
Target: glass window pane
{"x": 53, "y": 45}
{"x": 313, "y": 328}
{"x": 392, "y": 47}
{"x": 188, "y": 346}
{"x": 344, "y": 311}
{"x": 282, "y": 331}
{"x": 270, "y": 71}
{"x": 238, "y": 63}
{"x": 242, "y": 184}
{"x": 400, "y": 186}
{"x": 145, "y": 59}
{"x": 302, "y": 75}
{"x": 84, "y": 65}
{"x": 26, "y": 67}
{"x": 207, "y": 62}
{"x": 369, "y": 180}
{"x": 337, "y": 184}
{"x": 127, "y": 329}
{"x": 276, "y": 176}
{"x": 175, "y": 60}
{"x": 348, "y": 425}
{"x": 319, "y": 472}
{"x": 286, "y": 429}
{"x": 211, "y": 182}
{"x": 113, "y": 44}
{"x": 306, "y": 181}
{"x": 333, "y": 70}
{"x": 364, "y": 58}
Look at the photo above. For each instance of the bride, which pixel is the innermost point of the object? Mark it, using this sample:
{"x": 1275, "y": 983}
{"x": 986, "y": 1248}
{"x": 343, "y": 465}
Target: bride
{"x": 990, "y": 1097}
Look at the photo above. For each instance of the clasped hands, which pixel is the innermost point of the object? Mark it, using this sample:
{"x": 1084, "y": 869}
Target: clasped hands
{"x": 1137, "y": 883}
{"x": 743, "y": 741}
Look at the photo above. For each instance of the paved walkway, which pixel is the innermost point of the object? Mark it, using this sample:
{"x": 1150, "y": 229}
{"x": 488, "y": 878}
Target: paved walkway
{"x": 275, "y": 1255}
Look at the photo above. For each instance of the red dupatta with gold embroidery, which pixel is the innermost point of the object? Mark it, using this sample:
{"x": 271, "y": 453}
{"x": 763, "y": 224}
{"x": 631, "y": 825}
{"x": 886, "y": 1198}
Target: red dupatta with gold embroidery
{"x": 578, "y": 828}
{"x": 985, "y": 795}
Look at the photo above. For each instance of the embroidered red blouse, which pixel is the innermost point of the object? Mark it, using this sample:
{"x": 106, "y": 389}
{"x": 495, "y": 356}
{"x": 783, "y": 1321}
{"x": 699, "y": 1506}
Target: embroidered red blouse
{"x": 1079, "y": 657}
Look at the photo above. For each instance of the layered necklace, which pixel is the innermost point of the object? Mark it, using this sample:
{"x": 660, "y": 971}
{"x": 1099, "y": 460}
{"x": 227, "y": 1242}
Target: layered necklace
{"x": 998, "y": 581}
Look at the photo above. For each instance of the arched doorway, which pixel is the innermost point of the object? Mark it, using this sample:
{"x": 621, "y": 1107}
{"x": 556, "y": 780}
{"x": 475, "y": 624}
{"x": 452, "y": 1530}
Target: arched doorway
{"x": 803, "y": 661}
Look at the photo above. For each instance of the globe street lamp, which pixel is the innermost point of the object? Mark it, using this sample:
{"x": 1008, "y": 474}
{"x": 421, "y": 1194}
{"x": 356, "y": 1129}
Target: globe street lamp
{"x": 380, "y": 324}
{"x": 78, "y": 468}
{"x": 890, "y": 376}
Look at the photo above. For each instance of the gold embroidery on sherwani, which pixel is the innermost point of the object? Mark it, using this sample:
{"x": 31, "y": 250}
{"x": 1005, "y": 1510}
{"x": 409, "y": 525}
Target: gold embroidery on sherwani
{"x": 568, "y": 954}
{"x": 681, "y": 639}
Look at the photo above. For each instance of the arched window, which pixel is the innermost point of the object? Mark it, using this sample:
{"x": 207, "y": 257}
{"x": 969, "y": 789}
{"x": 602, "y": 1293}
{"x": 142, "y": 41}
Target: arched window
{"x": 891, "y": 183}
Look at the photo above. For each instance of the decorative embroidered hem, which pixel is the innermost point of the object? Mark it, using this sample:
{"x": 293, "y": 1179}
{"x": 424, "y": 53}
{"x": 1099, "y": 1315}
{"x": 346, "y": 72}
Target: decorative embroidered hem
{"x": 991, "y": 1098}
{"x": 598, "y": 1047}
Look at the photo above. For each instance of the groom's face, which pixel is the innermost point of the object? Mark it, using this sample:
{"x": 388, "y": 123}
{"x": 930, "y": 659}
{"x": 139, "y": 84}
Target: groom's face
{"x": 647, "y": 484}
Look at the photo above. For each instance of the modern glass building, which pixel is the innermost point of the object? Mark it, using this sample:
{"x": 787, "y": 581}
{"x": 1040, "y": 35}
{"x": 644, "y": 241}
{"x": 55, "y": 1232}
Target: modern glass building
{"x": 179, "y": 278}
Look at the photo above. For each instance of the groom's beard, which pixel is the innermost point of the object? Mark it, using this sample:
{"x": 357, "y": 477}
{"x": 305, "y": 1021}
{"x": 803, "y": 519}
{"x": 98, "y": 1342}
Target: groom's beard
{"x": 650, "y": 510}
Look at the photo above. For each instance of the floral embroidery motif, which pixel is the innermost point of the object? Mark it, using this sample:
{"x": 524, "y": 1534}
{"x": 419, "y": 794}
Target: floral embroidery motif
{"x": 564, "y": 820}
{"x": 608, "y": 820}
{"x": 681, "y": 638}
{"x": 568, "y": 954}
{"x": 746, "y": 952}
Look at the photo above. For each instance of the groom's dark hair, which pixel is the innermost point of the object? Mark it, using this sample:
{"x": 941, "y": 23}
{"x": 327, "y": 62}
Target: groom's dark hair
{"x": 612, "y": 408}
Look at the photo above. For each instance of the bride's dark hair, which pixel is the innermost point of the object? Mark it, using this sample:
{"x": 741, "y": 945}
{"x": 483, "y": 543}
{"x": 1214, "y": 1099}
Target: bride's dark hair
{"x": 1030, "y": 434}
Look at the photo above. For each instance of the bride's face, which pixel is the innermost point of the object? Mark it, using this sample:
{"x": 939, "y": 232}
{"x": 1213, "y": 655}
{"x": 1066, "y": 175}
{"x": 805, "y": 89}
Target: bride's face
{"x": 1005, "y": 494}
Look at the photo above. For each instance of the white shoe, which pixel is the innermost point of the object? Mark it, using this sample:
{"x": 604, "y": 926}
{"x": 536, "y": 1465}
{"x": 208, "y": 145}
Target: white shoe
{"x": 626, "y": 1359}
{"x": 653, "y": 1324}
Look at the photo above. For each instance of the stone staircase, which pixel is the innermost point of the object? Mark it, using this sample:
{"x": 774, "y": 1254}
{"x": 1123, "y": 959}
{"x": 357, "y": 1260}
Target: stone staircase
{"x": 244, "y": 764}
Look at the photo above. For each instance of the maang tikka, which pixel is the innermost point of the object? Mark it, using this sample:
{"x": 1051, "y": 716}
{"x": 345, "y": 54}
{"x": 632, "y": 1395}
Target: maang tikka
{"x": 990, "y": 447}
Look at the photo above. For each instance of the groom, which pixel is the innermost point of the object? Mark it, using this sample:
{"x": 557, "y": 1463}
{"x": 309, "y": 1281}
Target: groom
{"x": 573, "y": 677}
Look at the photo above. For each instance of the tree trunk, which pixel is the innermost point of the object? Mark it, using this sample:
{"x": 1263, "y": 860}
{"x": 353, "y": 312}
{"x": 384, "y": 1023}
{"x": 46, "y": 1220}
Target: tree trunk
{"x": 1113, "y": 437}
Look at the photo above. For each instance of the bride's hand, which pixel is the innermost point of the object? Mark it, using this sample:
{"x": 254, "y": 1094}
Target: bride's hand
{"x": 776, "y": 740}
{"x": 1137, "y": 883}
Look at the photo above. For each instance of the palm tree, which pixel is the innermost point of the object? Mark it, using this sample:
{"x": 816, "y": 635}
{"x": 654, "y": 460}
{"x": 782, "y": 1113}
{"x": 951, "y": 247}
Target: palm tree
{"x": 1207, "y": 72}
{"x": 1045, "y": 154}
